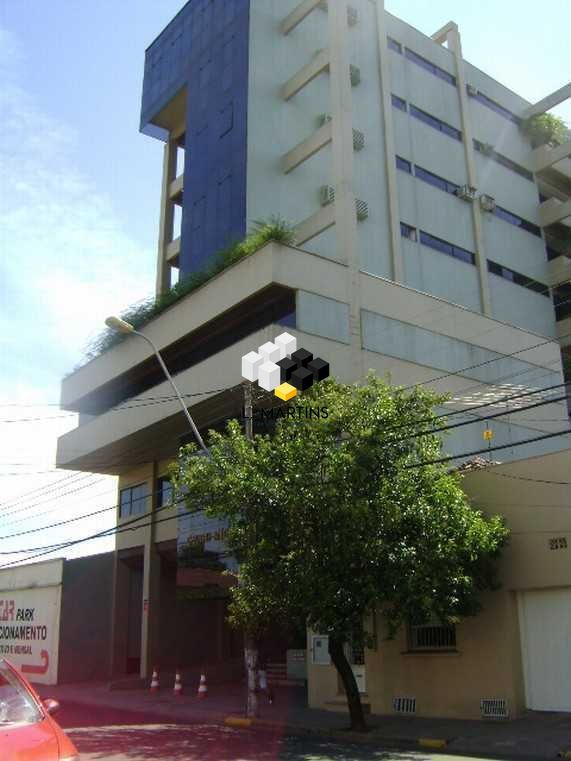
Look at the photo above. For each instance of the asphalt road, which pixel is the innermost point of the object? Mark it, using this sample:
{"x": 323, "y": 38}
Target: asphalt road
{"x": 105, "y": 735}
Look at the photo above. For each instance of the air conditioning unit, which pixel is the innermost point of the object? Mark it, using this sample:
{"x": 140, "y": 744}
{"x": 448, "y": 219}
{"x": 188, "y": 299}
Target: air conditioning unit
{"x": 352, "y": 16}
{"x": 466, "y": 192}
{"x": 355, "y": 75}
{"x": 323, "y": 119}
{"x": 326, "y": 195}
{"x": 362, "y": 209}
{"x": 358, "y": 140}
{"x": 471, "y": 90}
{"x": 487, "y": 149}
{"x": 488, "y": 203}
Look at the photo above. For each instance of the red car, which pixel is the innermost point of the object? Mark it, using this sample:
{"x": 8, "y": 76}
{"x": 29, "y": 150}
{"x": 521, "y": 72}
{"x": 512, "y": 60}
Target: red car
{"x": 27, "y": 730}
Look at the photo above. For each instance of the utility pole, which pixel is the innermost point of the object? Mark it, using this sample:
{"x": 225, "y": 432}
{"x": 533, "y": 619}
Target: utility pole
{"x": 250, "y": 645}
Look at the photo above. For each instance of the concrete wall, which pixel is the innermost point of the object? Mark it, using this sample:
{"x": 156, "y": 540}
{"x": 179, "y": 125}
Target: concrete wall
{"x": 85, "y": 628}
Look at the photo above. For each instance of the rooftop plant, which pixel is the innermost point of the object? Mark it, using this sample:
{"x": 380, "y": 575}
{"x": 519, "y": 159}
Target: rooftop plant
{"x": 545, "y": 129}
{"x": 272, "y": 229}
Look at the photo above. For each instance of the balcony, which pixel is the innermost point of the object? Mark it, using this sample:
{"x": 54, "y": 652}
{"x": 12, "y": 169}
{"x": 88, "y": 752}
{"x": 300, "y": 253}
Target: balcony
{"x": 553, "y": 211}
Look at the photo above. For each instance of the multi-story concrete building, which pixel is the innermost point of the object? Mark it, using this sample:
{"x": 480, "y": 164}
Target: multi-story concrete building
{"x": 431, "y": 242}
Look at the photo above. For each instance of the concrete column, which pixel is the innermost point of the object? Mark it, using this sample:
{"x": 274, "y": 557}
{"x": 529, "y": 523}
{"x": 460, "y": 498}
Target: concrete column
{"x": 342, "y": 151}
{"x": 452, "y": 35}
{"x": 166, "y": 223}
{"x": 119, "y": 616}
{"x": 151, "y": 590}
{"x": 389, "y": 143}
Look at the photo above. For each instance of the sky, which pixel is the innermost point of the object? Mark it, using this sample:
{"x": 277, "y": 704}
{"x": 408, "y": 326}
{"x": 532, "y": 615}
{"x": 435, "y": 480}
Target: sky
{"x": 79, "y": 208}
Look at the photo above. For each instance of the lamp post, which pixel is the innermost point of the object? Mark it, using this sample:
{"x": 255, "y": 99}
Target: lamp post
{"x": 121, "y": 326}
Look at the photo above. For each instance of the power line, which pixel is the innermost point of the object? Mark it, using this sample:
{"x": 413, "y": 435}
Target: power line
{"x": 532, "y": 480}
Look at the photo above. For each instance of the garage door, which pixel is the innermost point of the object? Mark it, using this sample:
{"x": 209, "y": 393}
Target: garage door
{"x": 545, "y": 626}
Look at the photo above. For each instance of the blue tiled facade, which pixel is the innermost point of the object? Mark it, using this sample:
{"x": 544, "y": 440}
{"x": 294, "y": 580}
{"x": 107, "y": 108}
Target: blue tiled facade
{"x": 205, "y": 48}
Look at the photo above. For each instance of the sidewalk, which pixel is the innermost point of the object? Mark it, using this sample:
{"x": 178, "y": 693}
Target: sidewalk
{"x": 533, "y": 736}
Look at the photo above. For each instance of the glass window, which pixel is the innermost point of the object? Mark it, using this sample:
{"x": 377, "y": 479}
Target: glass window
{"x": 516, "y": 221}
{"x": 394, "y": 45}
{"x": 516, "y": 277}
{"x": 503, "y": 160}
{"x": 493, "y": 106}
{"x": 404, "y": 165}
{"x": 133, "y": 501}
{"x": 447, "y": 248}
{"x": 407, "y": 231}
{"x": 432, "y": 121}
{"x": 164, "y": 491}
{"x": 434, "y": 179}
{"x": 429, "y": 66}
{"x": 398, "y": 102}
{"x": 16, "y": 704}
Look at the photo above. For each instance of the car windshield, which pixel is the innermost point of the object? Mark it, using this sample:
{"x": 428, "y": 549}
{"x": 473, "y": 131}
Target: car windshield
{"x": 17, "y": 706}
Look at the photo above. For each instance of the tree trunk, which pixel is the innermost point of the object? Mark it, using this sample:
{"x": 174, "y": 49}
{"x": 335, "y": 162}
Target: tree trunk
{"x": 251, "y": 661}
{"x": 345, "y": 671}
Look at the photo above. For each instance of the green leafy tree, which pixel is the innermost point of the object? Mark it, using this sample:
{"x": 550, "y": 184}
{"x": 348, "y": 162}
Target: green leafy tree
{"x": 545, "y": 129}
{"x": 333, "y": 517}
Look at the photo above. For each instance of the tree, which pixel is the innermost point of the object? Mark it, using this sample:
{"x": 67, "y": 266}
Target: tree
{"x": 545, "y": 129}
{"x": 334, "y": 516}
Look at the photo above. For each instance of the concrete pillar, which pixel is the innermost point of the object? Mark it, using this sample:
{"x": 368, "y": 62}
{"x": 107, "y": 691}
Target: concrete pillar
{"x": 166, "y": 224}
{"x": 150, "y": 644}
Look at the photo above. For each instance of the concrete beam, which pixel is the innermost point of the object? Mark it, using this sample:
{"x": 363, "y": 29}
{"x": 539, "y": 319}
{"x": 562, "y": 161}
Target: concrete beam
{"x": 553, "y": 211}
{"x": 312, "y": 226}
{"x": 549, "y": 102}
{"x": 298, "y": 14}
{"x": 318, "y": 64}
{"x": 545, "y": 157}
{"x": 441, "y": 36}
{"x": 173, "y": 251}
{"x": 175, "y": 189}
{"x": 559, "y": 270}
{"x": 307, "y": 148}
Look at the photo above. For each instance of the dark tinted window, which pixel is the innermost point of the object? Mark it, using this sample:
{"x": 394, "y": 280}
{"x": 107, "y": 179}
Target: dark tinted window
{"x": 407, "y": 231}
{"x": 438, "y": 124}
{"x": 398, "y": 102}
{"x": 516, "y": 277}
{"x": 429, "y": 66}
{"x": 394, "y": 45}
{"x": 404, "y": 165}
{"x": 133, "y": 501}
{"x": 447, "y": 248}
{"x": 434, "y": 179}
{"x": 516, "y": 221}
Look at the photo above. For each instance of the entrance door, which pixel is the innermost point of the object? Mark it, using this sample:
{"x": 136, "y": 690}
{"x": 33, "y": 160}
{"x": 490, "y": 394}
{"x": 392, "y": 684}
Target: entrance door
{"x": 545, "y": 627}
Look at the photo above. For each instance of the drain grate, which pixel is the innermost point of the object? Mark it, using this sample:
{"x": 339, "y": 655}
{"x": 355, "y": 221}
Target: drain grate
{"x": 494, "y": 708}
{"x": 404, "y": 705}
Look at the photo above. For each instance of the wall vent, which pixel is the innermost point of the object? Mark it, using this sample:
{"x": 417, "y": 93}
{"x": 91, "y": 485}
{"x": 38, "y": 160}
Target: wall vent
{"x": 404, "y": 705}
{"x": 358, "y": 140}
{"x": 326, "y": 195}
{"x": 494, "y": 708}
{"x": 488, "y": 203}
{"x": 352, "y": 16}
{"x": 362, "y": 209}
{"x": 355, "y": 75}
{"x": 471, "y": 90}
{"x": 466, "y": 192}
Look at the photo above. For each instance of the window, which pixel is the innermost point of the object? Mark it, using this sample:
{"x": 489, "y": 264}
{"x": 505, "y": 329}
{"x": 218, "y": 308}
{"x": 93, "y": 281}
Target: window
{"x": 503, "y": 160}
{"x": 432, "y": 636}
{"x": 562, "y": 301}
{"x": 320, "y": 649}
{"x": 404, "y": 165}
{"x": 432, "y": 121}
{"x": 431, "y": 67}
{"x": 407, "y": 231}
{"x": 447, "y": 248}
{"x": 394, "y": 45}
{"x": 133, "y": 501}
{"x": 516, "y": 277}
{"x": 493, "y": 106}
{"x": 434, "y": 179}
{"x": 398, "y": 102}
{"x": 516, "y": 221}
{"x": 164, "y": 491}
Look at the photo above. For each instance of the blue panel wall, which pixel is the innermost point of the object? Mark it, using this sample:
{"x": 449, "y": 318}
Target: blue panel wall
{"x": 206, "y": 49}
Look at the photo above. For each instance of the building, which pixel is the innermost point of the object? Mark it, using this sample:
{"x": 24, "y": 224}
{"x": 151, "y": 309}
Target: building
{"x": 432, "y": 242}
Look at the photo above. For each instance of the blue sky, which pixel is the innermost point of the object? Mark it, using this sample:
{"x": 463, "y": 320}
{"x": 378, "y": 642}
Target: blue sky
{"x": 80, "y": 189}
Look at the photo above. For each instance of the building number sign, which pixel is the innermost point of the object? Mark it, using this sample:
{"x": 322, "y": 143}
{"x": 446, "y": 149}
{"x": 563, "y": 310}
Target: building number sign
{"x": 558, "y": 543}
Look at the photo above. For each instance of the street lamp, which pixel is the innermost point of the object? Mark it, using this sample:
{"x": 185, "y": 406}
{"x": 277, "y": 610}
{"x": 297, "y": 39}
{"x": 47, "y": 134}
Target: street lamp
{"x": 121, "y": 326}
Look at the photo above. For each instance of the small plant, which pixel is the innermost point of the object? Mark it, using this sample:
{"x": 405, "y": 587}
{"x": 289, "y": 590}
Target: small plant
{"x": 545, "y": 129}
{"x": 263, "y": 231}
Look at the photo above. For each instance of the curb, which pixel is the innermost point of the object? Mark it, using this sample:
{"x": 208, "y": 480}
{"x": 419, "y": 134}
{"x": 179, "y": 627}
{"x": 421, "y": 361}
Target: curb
{"x": 432, "y": 742}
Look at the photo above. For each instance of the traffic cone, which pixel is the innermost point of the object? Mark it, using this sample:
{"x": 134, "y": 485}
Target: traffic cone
{"x": 202, "y": 688}
{"x": 177, "y": 684}
{"x": 155, "y": 681}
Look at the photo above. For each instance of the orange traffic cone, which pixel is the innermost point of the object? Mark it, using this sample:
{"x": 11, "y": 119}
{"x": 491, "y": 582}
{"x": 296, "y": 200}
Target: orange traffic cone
{"x": 202, "y": 688}
{"x": 155, "y": 681}
{"x": 177, "y": 684}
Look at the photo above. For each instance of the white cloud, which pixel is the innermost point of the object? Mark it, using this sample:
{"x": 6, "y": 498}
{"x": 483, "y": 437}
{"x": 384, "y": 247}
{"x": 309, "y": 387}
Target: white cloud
{"x": 66, "y": 262}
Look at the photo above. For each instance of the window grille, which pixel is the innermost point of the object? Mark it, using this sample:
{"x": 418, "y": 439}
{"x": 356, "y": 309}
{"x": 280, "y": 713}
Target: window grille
{"x": 432, "y": 636}
{"x": 404, "y": 705}
{"x": 494, "y": 708}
